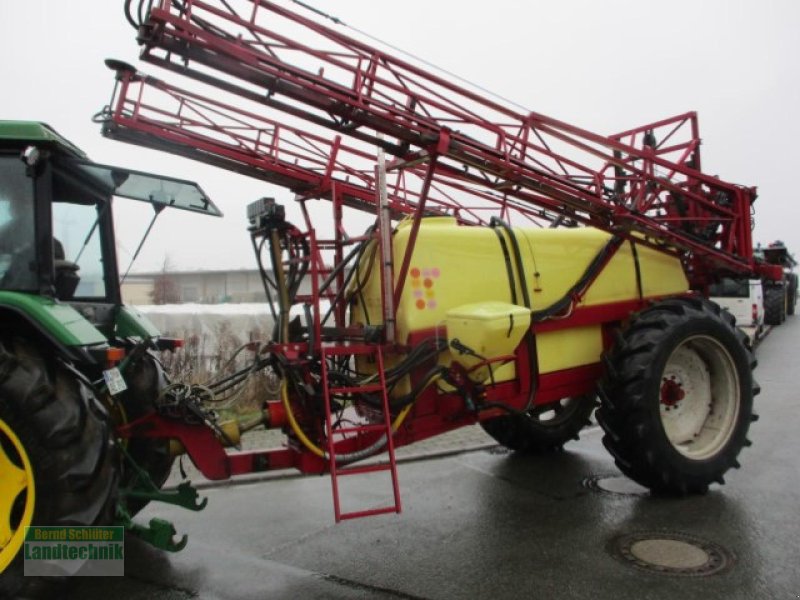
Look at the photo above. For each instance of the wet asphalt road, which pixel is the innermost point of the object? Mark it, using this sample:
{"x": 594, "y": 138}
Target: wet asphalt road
{"x": 491, "y": 525}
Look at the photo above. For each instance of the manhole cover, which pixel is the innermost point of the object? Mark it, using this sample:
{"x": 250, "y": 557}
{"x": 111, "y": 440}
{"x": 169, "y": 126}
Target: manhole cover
{"x": 615, "y": 484}
{"x": 671, "y": 553}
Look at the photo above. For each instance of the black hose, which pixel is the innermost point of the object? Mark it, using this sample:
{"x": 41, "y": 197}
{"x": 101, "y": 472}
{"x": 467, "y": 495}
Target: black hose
{"x": 509, "y": 269}
{"x": 359, "y": 291}
{"x": 265, "y": 280}
{"x": 589, "y": 274}
{"x": 356, "y": 252}
{"x": 421, "y": 354}
{"x": 494, "y": 222}
{"x": 128, "y": 15}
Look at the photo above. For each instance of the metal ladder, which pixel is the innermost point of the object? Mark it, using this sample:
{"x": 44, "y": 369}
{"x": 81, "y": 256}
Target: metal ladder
{"x": 385, "y": 427}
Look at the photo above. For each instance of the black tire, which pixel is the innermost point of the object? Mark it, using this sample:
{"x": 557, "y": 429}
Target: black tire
{"x": 791, "y": 300}
{"x": 663, "y": 349}
{"x": 66, "y": 440}
{"x": 774, "y": 304}
{"x": 145, "y": 379}
{"x": 543, "y": 429}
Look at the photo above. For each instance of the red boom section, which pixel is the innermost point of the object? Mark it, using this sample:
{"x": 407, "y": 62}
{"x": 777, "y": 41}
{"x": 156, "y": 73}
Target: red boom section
{"x": 151, "y": 112}
{"x": 154, "y": 113}
{"x": 646, "y": 180}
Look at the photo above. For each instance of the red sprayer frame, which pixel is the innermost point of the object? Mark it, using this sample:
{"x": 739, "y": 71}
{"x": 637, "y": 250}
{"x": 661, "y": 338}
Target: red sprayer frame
{"x": 278, "y": 106}
{"x": 646, "y": 180}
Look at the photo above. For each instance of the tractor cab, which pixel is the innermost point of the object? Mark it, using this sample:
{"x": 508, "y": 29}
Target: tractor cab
{"x": 57, "y": 243}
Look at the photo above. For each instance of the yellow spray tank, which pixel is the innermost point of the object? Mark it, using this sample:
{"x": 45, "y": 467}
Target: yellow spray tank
{"x": 465, "y": 279}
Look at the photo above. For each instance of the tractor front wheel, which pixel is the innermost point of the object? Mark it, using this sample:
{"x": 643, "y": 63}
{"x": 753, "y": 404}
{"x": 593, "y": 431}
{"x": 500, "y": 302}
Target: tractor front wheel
{"x": 57, "y": 461}
{"x": 678, "y": 396}
{"x": 545, "y": 428}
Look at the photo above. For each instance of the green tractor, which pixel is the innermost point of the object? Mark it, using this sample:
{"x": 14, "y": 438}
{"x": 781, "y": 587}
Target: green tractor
{"x": 65, "y": 336}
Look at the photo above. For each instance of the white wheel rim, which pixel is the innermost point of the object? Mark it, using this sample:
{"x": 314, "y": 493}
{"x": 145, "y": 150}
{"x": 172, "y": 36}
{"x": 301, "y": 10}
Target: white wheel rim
{"x": 552, "y": 415}
{"x": 699, "y": 397}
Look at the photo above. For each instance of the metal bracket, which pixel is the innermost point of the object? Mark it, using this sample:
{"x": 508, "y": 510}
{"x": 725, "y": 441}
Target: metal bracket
{"x": 184, "y": 495}
{"x": 143, "y": 487}
{"x": 158, "y": 534}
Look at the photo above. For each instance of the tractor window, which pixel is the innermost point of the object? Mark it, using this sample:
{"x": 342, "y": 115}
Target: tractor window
{"x": 75, "y": 232}
{"x": 17, "y": 247}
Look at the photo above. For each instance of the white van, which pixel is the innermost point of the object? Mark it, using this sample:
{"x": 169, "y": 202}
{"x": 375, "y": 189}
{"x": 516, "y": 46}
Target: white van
{"x": 744, "y": 299}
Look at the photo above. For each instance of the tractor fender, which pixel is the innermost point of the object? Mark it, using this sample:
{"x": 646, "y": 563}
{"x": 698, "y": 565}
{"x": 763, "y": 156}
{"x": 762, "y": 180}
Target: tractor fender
{"x": 16, "y": 319}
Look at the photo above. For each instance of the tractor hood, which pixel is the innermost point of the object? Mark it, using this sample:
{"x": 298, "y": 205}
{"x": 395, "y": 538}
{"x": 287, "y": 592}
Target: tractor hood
{"x": 157, "y": 190}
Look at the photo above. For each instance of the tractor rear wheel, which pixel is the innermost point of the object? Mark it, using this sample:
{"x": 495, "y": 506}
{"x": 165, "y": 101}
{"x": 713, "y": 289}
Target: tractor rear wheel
{"x": 545, "y": 428}
{"x": 57, "y": 460}
{"x": 677, "y": 396}
{"x": 145, "y": 379}
{"x": 774, "y": 304}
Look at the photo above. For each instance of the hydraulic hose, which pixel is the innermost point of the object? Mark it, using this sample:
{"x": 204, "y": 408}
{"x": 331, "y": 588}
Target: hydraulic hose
{"x": 494, "y": 223}
{"x": 349, "y": 457}
{"x": 283, "y": 291}
{"x": 296, "y": 427}
{"x": 589, "y": 275}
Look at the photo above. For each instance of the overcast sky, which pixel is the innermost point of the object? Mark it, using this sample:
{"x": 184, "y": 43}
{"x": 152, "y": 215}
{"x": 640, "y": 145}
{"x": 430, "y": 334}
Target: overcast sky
{"x": 603, "y": 65}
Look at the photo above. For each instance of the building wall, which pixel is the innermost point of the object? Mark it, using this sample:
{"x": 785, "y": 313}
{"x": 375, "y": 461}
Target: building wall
{"x": 204, "y": 287}
{"x": 137, "y": 292}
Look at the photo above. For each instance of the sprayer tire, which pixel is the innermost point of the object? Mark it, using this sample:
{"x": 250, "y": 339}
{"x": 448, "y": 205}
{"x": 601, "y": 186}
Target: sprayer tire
{"x": 544, "y": 429}
{"x": 677, "y": 396}
{"x": 774, "y": 304}
{"x": 791, "y": 300}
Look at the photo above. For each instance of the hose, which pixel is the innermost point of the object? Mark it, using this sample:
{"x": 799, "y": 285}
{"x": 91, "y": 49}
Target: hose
{"x": 296, "y": 427}
{"x": 566, "y": 302}
{"x": 494, "y": 223}
{"x": 350, "y": 457}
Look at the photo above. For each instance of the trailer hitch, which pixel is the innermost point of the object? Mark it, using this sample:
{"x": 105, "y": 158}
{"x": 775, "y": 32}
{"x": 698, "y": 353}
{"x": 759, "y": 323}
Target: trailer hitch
{"x": 143, "y": 488}
{"x": 184, "y": 495}
{"x": 158, "y": 533}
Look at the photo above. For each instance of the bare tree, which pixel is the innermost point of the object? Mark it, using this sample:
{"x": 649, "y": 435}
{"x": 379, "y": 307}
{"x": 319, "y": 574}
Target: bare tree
{"x": 165, "y": 287}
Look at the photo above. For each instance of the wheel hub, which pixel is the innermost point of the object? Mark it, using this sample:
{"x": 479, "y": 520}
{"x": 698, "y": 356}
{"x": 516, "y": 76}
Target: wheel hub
{"x": 16, "y": 494}
{"x": 671, "y": 391}
{"x": 697, "y": 397}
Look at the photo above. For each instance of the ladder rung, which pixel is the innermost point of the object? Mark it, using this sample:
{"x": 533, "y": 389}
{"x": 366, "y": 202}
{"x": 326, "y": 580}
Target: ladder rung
{"x": 368, "y": 513}
{"x": 349, "y": 241}
{"x": 385, "y": 427}
{"x": 342, "y": 350}
{"x": 374, "y": 387}
{"x": 361, "y": 429}
{"x": 301, "y": 298}
{"x": 363, "y": 469}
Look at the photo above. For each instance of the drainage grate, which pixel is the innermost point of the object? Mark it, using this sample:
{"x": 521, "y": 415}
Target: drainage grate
{"x": 671, "y": 553}
{"x": 615, "y": 484}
